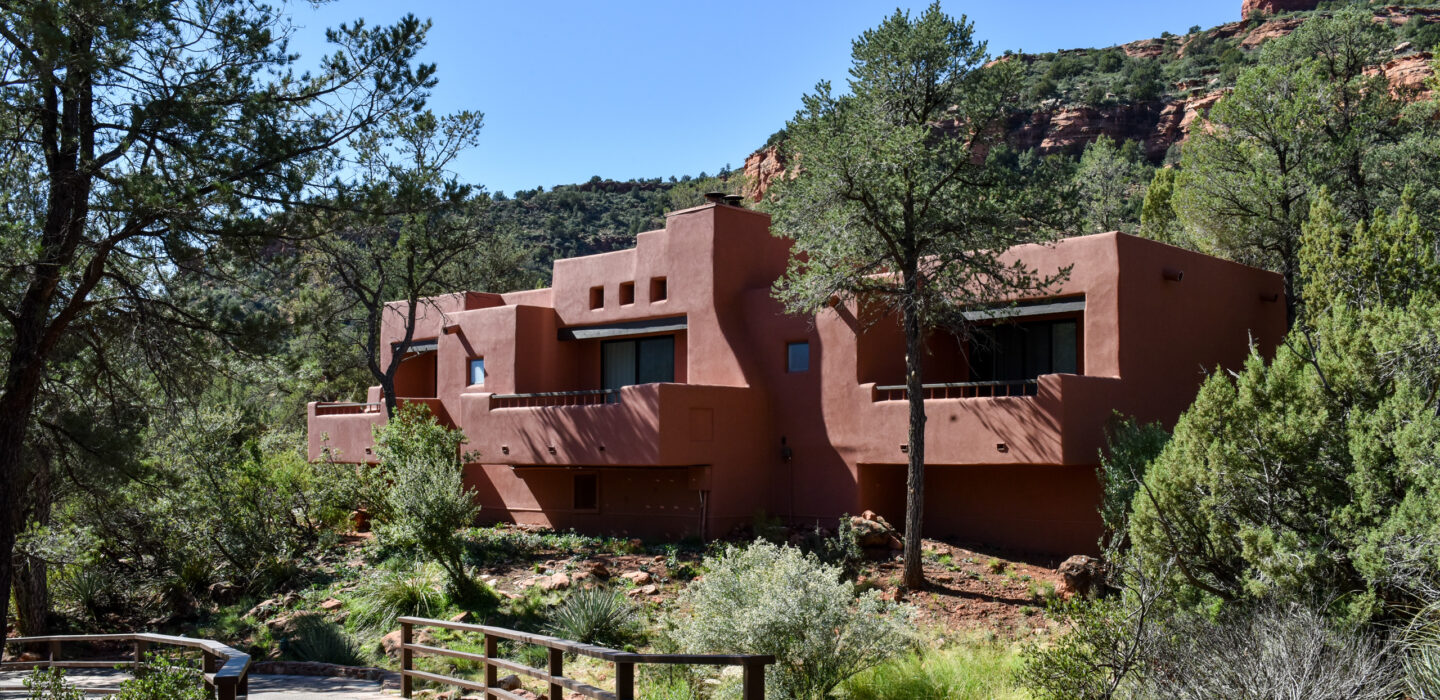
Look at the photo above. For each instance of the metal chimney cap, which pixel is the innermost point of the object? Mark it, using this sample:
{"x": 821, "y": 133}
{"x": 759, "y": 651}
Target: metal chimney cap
{"x": 716, "y": 197}
{"x": 735, "y": 200}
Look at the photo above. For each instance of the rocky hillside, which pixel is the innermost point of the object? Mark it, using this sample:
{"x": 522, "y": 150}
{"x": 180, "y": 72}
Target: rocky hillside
{"x": 1152, "y": 91}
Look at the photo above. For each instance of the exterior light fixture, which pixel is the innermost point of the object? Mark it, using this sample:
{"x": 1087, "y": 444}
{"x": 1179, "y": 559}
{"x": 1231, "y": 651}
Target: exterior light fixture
{"x": 1173, "y": 274}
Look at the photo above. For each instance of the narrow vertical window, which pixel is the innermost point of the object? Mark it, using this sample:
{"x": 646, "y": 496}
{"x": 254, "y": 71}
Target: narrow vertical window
{"x": 477, "y": 371}
{"x": 797, "y": 356}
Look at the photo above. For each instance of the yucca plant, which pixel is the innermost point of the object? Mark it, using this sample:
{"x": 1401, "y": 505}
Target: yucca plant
{"x": 595, "y": 616}
{"x": 1421, "y": 640}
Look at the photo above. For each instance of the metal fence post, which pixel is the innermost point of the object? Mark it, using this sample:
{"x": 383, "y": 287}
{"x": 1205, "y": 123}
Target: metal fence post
{"x": 406, "y": 686}
{"x": 754, "y": 680}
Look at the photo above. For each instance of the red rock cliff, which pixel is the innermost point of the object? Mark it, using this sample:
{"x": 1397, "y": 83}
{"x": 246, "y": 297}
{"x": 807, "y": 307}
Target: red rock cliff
{"x": 1271, "y": 7}
{"x": 1161, "y": 124}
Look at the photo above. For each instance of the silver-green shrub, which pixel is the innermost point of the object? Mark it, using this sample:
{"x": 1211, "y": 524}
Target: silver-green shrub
{"x": 1275, "y": 652}
{"x": 770, "y": 599}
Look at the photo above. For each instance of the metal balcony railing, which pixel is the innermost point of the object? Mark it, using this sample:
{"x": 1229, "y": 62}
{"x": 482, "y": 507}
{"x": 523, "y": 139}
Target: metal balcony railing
{"x": 347, "y": 409}
{"x": 960, "y": 390}
{"x": 592, "y": 397}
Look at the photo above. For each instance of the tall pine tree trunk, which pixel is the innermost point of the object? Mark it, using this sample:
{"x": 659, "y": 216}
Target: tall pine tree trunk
{"x": 31, "y": 585}
{"x": 914, "y": 576}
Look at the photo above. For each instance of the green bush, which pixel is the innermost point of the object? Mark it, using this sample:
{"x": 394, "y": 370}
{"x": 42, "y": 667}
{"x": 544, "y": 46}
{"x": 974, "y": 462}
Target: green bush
{"x": 425, "y": 501}
{"x": 1104, "y": 651}
{"x": 772, "y": 599}
{"x": 391, "y": 593}
{"x": 50, "y": 684}
{"x": 317, "y": 639}
{"x": 595, "y": 616}
{"x": 969, "y": 672}
{"x": 1130, "y": 447}
{"x": 165, "y": 678}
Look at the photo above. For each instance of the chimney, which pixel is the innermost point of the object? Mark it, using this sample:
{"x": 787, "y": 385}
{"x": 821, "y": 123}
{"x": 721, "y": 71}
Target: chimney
{"x": 715, "y": 197}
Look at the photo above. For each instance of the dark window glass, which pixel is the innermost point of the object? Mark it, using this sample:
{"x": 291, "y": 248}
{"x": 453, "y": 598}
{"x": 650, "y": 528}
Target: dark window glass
{"x": 797, "y": 357}
{"x": 642, "y": 361}
{"x": 587, "y": 491}
{"x": 656, "y": 359}
{"x": 1012, "y": 352}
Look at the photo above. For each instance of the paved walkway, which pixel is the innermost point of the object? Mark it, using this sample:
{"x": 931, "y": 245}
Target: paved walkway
{"x": 261, "y": 687}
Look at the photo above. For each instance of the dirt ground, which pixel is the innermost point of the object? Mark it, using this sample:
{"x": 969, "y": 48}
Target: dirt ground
{"x": 968, "y": 591}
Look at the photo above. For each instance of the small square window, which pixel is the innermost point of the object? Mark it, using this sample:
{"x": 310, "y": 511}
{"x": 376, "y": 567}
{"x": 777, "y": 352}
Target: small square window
{"x": 597, "y": 298}
{"x": 587, "y": 491}
{"x": 659, "y": 291}
{"x": 627, "y": 293}
{"x": 477, "y": 372}
{"x": 797, "y": 356}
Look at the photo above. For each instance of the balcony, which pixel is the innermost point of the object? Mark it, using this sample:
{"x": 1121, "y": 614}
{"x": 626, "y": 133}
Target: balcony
{"x": 1055, "y": 419}
{"x": 659, "y": 424}
{"x": 345, "y": 428}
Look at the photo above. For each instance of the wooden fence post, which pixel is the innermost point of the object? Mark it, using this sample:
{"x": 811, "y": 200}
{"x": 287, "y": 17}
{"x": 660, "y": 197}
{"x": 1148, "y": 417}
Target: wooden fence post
{"x": 557, "y": 668}
{"x": 54, "y": 653}
{"x": 754, "y": 681}
{"x": 406, "y": 685}
{"x": 141, "y": 648}
{"x": 492, "y": 677}
{"x": 208, "y": 665}
{"x": 624, "y": 680}
{"x": 225, "y": 688}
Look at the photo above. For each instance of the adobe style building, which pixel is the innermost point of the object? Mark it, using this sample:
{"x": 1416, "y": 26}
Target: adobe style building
{"x": 661, "y": 392}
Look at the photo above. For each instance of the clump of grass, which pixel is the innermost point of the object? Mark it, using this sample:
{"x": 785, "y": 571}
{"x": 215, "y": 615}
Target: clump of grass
{"x": 595, "y": 616}
{"x": 974, "y": 671}
{"x": 996, "y": 566}
{"x": 318, "y": 639}
{"x": 393, "y": 593}
{"x": 1043, "y": 592}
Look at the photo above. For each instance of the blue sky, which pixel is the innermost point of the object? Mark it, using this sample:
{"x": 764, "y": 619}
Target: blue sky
{"x": 653, "y": 89}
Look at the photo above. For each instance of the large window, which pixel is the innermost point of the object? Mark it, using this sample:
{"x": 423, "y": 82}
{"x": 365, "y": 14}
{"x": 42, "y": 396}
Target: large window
{"x": 1010, "y": 352}
{"x": 640, "y": 361}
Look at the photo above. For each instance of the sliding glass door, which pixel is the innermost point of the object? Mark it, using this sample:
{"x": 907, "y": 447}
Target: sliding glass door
{"x": 640, "y": 361}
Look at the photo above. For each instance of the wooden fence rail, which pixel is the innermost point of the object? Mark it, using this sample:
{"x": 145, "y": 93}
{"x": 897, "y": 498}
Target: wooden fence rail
{"x": 226, "y": 670}
{"x": 752, "y": 665}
